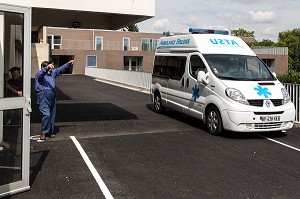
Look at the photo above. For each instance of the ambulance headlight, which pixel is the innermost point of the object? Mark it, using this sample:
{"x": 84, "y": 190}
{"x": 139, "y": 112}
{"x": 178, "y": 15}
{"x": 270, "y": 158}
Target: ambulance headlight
{"x": 286, "y": 96}
{"x": 236, "y": 95}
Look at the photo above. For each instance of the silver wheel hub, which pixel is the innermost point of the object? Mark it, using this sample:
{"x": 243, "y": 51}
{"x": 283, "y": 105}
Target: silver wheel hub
{"x": 213, "y": 121}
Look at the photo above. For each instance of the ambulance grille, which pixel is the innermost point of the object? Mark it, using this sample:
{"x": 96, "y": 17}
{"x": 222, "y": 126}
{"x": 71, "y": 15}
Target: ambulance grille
{"x": 256, "y": 102}
{"x": 276, "y": 102}
{"x": 269, "y": 125}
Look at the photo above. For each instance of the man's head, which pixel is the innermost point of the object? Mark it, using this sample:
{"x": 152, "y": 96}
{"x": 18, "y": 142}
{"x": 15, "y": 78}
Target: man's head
{"x": 45, "y": 64}
{"x": 15, "y": 72}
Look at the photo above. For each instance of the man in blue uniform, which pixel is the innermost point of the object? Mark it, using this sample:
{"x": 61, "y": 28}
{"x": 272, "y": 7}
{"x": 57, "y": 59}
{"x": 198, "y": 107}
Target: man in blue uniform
{"x": 46, "y": 95}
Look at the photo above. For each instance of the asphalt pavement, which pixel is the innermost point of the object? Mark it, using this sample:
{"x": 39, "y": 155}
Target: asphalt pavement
{"x": 110, "y": 144}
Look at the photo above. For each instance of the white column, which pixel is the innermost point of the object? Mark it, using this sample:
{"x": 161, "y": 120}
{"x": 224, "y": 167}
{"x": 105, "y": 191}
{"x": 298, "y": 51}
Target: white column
{"x": 2, "y": 30}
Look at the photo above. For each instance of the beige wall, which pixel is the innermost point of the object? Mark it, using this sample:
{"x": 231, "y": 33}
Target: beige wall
{"x": 105, "y": 59}
{"x": 79, "y": 41}
{"x": 39, "y": 53}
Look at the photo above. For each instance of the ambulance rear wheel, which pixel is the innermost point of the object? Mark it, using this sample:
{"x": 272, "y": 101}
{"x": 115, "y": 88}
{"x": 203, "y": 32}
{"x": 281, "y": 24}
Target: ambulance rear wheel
{"x": 158, "y": 107}
{"x": 214, "y": 121}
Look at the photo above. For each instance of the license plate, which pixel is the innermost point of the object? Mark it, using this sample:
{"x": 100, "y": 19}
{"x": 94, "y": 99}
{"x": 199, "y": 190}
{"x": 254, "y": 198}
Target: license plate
{"x": 270, "y": 118}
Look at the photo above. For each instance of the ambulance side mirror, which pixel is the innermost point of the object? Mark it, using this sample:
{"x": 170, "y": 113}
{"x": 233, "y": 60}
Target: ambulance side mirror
{"x": 202, "y": 77}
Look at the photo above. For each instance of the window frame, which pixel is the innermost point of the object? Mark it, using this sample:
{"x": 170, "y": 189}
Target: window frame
{"x": 123, "y": 47}
{"x": 130, "y": 59}
{"x": 87, "y": 61}
{"x": 152, "y": 44}
{"x": 52, "y": 41}
{"x": 96, "y": 39}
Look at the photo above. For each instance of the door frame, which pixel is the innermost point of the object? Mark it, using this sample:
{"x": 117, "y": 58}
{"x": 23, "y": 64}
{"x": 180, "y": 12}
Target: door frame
{"x": 21, "y": 102}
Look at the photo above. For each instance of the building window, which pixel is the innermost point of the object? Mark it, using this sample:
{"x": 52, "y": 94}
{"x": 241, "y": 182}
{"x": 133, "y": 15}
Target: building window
{"x": 133, "y": 63}
{"x": 149, "y": 44}
{"x": 270, "y": 63}
{"x": 54, "y": 41}
{"x": 91, "y": 61}
{"x": 154, "y": 44}
{"x": 98, "y": 43}
{"x": 34, "y": 37}
{"x": 126, "y": 44}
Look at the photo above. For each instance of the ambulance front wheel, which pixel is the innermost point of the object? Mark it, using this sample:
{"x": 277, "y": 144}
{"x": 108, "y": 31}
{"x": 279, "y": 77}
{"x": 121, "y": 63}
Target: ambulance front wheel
{"x": 158, "y": 107}
{"x": 214, "y": 121}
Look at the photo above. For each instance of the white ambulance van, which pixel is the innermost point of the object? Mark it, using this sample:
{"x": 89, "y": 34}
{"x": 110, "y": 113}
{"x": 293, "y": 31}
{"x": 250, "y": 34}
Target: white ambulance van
{"x": 217, "y": 78}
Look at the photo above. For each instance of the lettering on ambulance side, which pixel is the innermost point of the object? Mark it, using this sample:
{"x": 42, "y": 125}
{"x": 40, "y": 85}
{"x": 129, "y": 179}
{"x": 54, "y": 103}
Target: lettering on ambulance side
{"x": 175, "y": 42}
{"x": 224, "y": 42}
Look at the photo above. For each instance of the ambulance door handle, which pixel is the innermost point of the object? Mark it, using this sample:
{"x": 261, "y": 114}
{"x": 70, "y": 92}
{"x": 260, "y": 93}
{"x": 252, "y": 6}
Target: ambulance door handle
{"x": 187, "y": 82}
{"x": 182, "y": 82}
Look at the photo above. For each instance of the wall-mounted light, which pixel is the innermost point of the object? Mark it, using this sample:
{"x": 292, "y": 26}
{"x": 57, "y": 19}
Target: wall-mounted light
{"x": 76, "y": 24}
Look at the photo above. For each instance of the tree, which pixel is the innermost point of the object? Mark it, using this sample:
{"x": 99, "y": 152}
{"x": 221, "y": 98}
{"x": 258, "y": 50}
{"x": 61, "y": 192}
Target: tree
{"x": 264, "y": 42}
{"x": 131, "y": 28}
{"x": 242, "y": 33}
{"x": 291, "y": 39}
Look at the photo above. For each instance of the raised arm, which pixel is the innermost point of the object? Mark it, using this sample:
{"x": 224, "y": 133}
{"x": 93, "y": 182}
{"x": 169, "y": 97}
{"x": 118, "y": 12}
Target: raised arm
{"x": 42, "y": 72}
{"x": 63, "y": 68}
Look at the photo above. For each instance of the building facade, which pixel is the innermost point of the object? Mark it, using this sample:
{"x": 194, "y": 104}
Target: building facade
{"x": 124, "y": 50}
{"x": 103, "y": 49}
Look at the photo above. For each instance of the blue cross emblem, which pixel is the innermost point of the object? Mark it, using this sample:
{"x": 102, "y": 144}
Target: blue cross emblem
{"x": 263, "y": 91}
{"x": 195, "y": 93}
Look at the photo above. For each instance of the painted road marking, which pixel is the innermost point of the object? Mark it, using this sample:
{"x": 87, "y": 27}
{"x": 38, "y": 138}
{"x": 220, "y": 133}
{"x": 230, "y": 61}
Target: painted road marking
{"x": 291, "y": 147}
{"x": 15, "y": 168}
{"x": 96, "y": 175}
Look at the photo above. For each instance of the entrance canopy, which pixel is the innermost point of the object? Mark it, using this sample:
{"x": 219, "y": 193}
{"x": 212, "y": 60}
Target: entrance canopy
{"x": 93, "y": 14}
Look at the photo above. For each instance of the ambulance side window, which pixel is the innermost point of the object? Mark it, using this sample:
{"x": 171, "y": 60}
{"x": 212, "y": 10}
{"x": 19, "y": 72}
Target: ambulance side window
{"x": 172, "y": 67}
{"x": 160, "y": 65}
{"x": 176, "y": 67}
{"x": 196, "y": 65}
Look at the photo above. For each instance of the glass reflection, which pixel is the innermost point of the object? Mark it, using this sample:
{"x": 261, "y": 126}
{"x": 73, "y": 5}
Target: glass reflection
{"x": 11, "y": 133}
{"x": 11, "y": 62}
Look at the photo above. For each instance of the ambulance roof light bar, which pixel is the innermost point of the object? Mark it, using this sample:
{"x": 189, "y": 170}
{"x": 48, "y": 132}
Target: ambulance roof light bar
{"x": 208, "y": 31}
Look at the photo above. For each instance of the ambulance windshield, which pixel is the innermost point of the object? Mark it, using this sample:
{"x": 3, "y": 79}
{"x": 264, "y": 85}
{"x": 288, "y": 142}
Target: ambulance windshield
{"x": 238, "y": 67}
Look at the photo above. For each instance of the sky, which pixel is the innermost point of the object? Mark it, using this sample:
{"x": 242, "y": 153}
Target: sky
{"x": 265, "y": 17}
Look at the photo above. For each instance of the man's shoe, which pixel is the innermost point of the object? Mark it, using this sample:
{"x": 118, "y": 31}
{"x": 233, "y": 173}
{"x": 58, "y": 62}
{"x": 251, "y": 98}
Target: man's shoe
{"x": 51, "y": 135}
{"x": 42, "y": 138}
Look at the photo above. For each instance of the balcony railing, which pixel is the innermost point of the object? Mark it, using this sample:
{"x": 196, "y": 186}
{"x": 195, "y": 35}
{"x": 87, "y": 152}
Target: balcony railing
{"x": 107, "y": 45}
{"x": 270, "y": 50}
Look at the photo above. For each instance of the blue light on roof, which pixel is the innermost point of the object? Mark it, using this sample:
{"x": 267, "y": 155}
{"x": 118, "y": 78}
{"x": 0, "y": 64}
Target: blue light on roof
{"x": 208, "y": 31}
{"x": 166, "y": 33}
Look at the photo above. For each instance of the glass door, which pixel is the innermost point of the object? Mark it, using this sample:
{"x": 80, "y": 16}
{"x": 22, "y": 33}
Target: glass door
{"x": 15, "y": 107}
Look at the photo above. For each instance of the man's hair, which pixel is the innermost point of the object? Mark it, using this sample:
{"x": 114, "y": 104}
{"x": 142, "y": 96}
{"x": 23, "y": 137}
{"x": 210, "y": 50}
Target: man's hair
{"x": 44, "y": 64}
{"x": 13, "y": 69}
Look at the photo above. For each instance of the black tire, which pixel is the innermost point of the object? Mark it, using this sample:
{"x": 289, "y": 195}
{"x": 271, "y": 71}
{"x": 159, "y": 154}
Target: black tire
{"x": 158, "y": 107}
{"x": 214, "y": 121}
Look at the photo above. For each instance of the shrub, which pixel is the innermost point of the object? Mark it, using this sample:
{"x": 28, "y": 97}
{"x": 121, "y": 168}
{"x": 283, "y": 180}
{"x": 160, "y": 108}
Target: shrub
{"x": 292, "y": 76}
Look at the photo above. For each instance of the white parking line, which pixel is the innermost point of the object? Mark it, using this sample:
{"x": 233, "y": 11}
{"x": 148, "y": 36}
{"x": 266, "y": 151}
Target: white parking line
{"x": 291, "y": 147}
{"x": 15, "y": 168}
{"x": 96, "y": 175}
